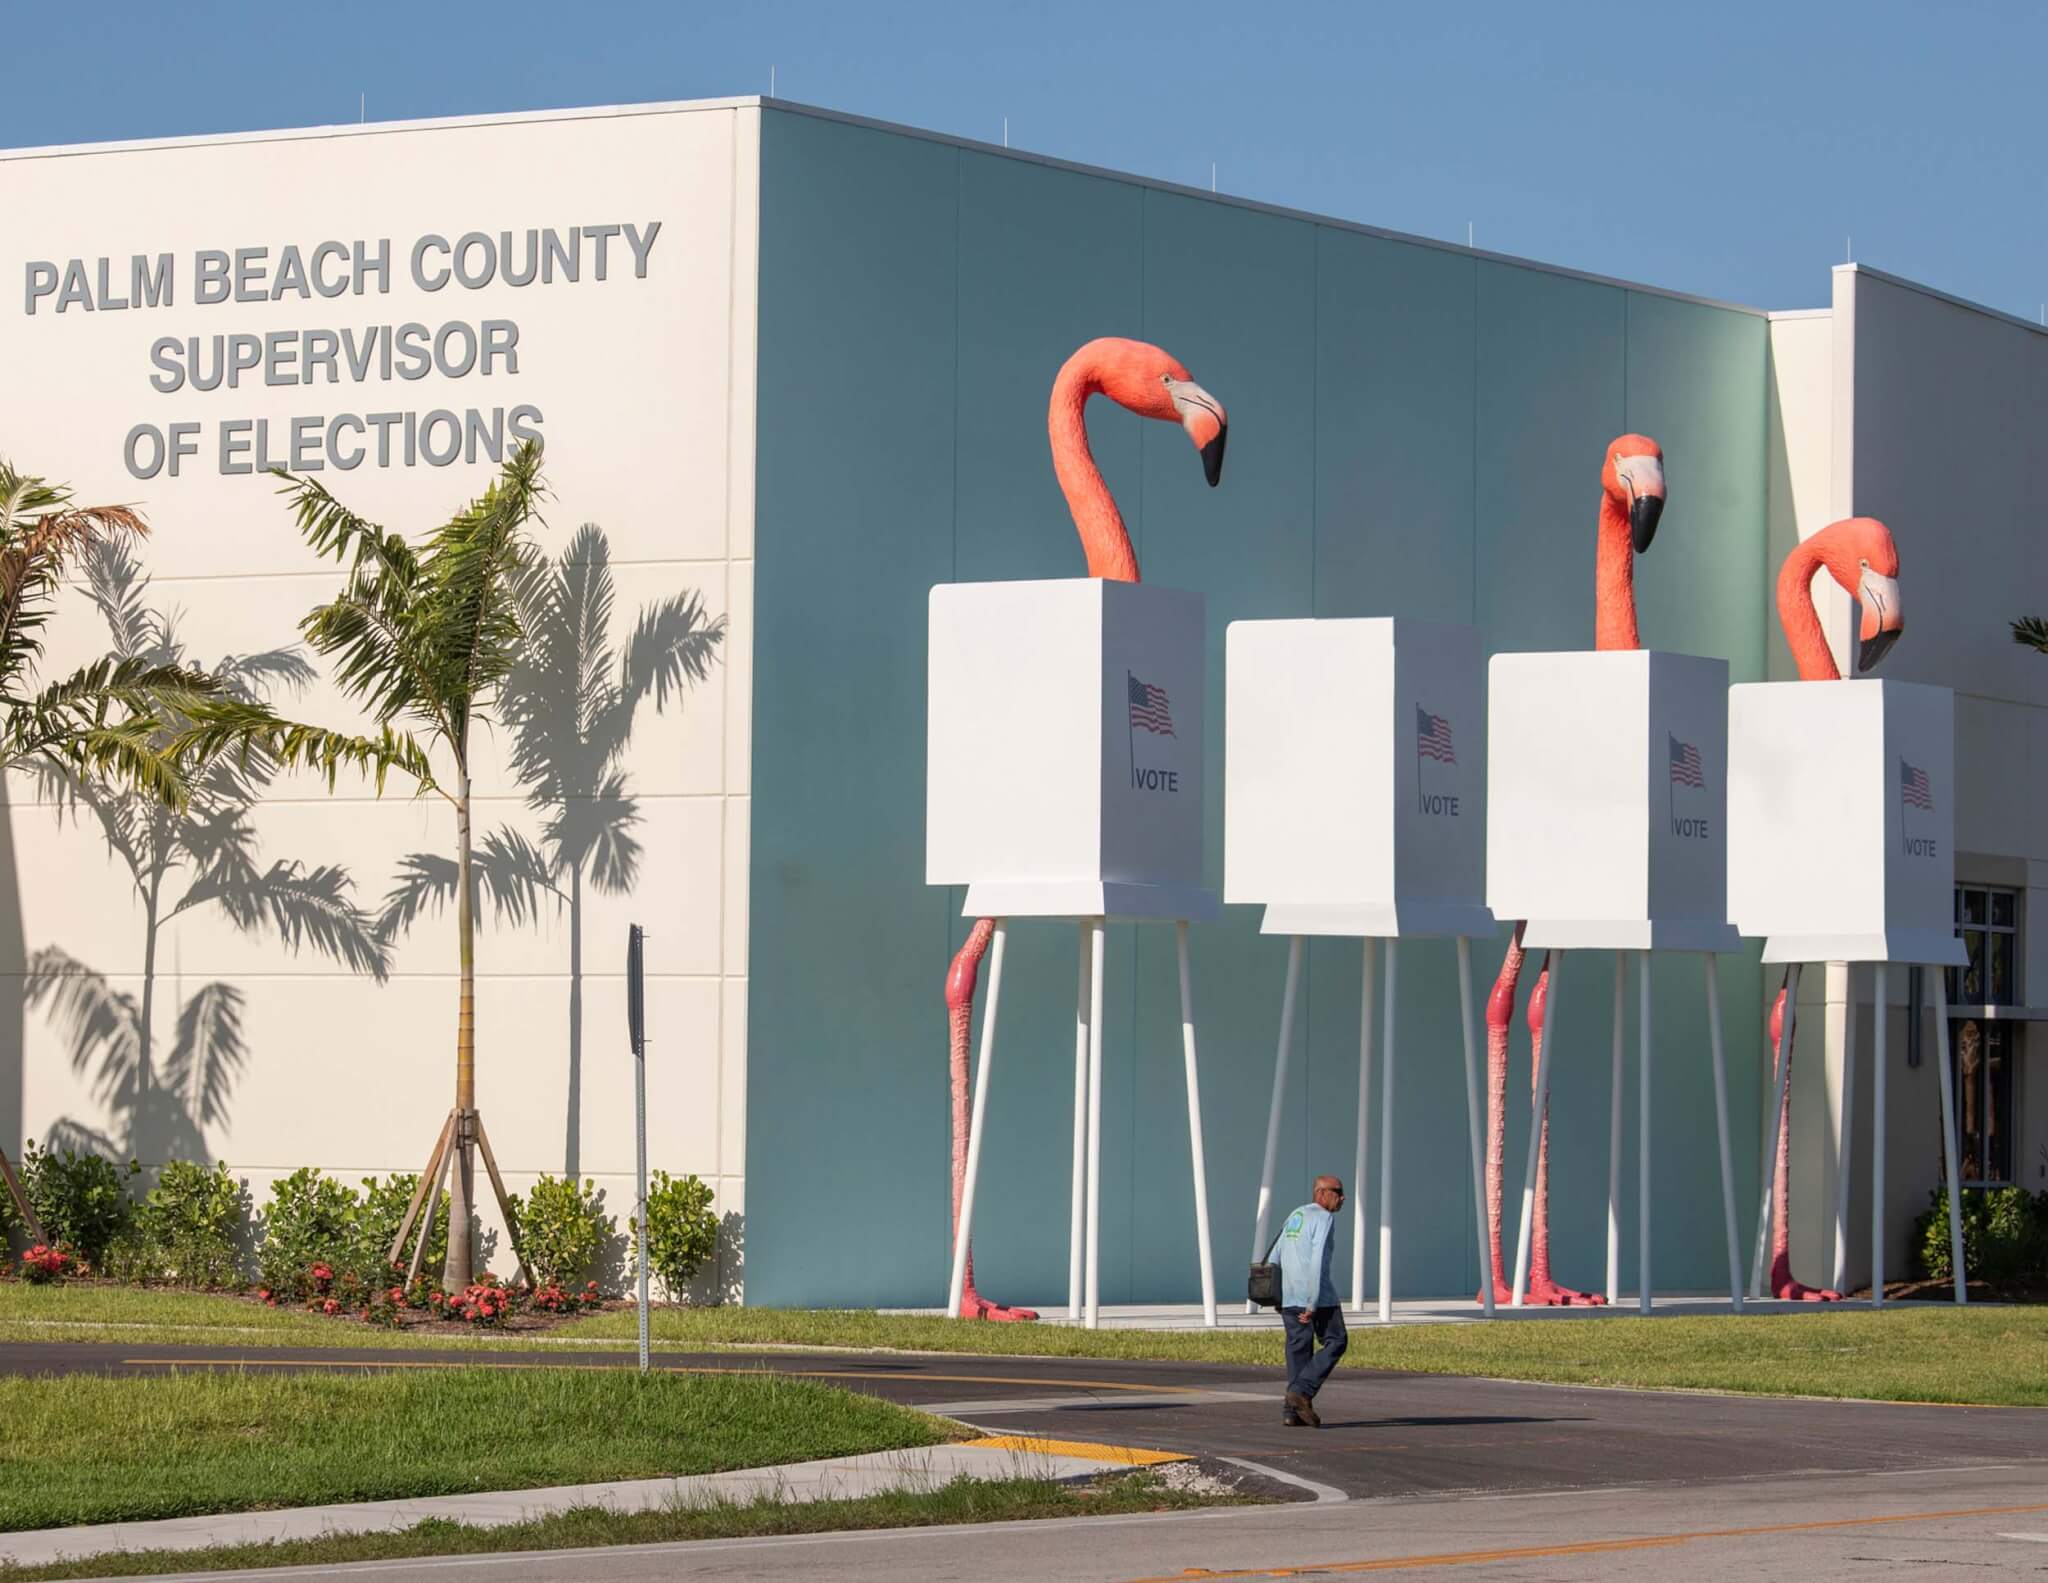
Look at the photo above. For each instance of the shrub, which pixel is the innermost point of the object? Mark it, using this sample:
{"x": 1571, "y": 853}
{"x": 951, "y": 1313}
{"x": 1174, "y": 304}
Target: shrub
{"x": 309, "y": 1226}
{"x": 682, "y": 1231}
{"x": 43, "y": 1264}
{"x": 378, "y": 1218}
{"x": 2005, "y": 1235}
{"x": 190, "y": 1226}
{"x": 483, "y": 1303}
{"x": 560, "y": 1300}
{"x": 559, "y": 1229}
{"x": 81, "y": 1199}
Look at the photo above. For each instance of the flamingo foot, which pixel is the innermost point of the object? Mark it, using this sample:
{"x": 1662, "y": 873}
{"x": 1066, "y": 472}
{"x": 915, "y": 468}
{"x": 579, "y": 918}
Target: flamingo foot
{"x": 1791, "y": 1291}
{"x": 974, "y": 1306}
{"x": 1546, "y": 1293}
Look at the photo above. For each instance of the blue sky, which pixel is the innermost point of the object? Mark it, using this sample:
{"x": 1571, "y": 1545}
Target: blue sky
{"x": 1731, "y": 149}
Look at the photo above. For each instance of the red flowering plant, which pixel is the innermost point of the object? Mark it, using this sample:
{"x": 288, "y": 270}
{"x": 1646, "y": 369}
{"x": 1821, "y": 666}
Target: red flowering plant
{"x": 43, "y": 1264}
{"x": 554, "y": 1298}
{"x": 482, "y": 1304}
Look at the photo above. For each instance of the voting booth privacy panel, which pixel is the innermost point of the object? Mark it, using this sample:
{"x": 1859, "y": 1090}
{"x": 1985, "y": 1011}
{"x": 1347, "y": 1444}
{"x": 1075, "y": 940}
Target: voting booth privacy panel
{"x": 1064, "y": 753}
{"x": 1841, "y": 820}
{"x": 1355, "y": 776}
{"x": 1606, "y": 809}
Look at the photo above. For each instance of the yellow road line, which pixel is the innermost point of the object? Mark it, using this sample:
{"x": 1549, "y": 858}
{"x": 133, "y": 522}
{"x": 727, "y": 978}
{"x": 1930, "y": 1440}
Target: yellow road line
{"x": 551, "y": 1363}
{"x": 1128, "y": 1456}
{"x": 1458, "y": 1558}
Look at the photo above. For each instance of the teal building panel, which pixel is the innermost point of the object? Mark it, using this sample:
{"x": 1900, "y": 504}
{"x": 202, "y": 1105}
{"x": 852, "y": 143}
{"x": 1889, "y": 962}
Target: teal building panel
{"x": 1414, "y": 430}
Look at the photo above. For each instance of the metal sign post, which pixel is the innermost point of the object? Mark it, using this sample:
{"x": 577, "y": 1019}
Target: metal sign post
{"x": 636, "y": 1028}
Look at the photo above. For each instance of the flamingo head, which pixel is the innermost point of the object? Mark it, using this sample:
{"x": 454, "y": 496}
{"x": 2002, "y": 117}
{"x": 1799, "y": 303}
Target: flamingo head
{"x": 1155, "y": 384}
{"x": 1634, "y": 481}
{"x": 1860, "y": 556}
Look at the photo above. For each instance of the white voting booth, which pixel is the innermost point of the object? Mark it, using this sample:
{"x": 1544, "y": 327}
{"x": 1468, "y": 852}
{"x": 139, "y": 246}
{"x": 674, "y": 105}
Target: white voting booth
{"x": 1354, "y": 805}
{"x": 1606, "y": 830}
{"x": 1841, "y": 825}
{"x": 1064, "y": 779}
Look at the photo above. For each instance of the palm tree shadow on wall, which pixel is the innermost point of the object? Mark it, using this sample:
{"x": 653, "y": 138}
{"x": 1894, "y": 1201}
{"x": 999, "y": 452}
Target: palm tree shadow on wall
{"x": 569, "y": 707}
{"x": 160, "y": 1105}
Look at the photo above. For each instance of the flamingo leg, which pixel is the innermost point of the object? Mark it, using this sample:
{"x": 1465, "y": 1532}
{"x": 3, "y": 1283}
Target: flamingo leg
{"x": 1500, "y": 1017}
{"x": 1784, "y": 1285}
{"x": 961, "y": 978}
{"x": 1543, "y": 1289}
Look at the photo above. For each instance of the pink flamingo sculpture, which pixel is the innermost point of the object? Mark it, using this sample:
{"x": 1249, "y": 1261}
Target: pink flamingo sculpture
{"x": 1153, "y": 384}
{"x": 1631, "y": 501}
{"x": 1858, "y": 553}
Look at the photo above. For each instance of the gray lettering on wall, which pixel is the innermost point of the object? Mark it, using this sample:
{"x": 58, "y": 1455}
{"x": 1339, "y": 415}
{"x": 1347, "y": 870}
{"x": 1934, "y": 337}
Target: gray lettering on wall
{"x": 457, "y": 348}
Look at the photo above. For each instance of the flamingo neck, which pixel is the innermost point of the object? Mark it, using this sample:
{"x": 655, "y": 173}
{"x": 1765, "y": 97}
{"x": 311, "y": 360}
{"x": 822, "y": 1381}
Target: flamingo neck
{"x": 1614, "y": 581}
{"x": 1803, "y": 634}
{"x": 1096, "y": 518}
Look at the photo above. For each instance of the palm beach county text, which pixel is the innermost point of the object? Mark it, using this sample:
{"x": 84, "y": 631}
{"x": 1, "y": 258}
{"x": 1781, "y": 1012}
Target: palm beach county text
{"x": 199, "y": 364}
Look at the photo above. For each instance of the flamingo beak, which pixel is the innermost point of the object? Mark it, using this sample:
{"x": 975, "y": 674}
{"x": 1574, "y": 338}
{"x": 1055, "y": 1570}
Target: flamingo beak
{"x": 1883, "y": 619}
{"x": 1202, "y": 415}
{"x": 1643, "y": 478}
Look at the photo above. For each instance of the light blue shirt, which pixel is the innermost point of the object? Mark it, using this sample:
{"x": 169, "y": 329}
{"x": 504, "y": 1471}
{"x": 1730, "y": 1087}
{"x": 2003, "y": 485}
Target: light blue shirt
{"x": 1305, "y": 1248}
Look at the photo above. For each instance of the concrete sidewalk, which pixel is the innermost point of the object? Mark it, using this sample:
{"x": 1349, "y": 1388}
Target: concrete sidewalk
{"x": 833, "y": 1478}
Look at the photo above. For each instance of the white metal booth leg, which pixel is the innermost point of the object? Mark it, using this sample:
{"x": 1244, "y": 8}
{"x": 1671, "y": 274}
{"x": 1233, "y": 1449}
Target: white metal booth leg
{"x": 1644, "y": 1286}
{"x": 1195, "y": 1160}
{"x": 1614, "y": 1135}
{"x": 964, "y": 1233}
{"x": 1386, "y": 1147}
{"x": 1091, "y": 1308}
{"x": 1078, "y": 1206}
{"x": 1770, "y": 1149}
{"x": 1358, "y": 1160}
{"x": 1273, "y": 1114}
{"x": 1487, "y": 1273}
{"x": 1948, "y": 1132}
{"x": 1843, "y": 1147}
{"x": 1551, "y": 1024}
{"x": 1721, "y": 1130}
{"x": 1878, "y": 1012}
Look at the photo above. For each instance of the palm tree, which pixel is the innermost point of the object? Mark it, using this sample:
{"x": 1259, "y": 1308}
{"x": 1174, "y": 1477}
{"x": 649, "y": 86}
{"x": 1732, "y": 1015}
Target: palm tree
{"x": 427, "y": 637}
{"x": 570, "y": 702}
{"x": 2031, "y": 632}
{"x": 136, "y": 720}
{"x": 205, "y": 854}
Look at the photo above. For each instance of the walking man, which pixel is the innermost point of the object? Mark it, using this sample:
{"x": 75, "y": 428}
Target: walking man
{"x": 1309, "y": 1310}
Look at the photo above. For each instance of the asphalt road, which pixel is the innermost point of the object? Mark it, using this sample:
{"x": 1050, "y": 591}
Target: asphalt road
{"x": 1384, "y": 1436}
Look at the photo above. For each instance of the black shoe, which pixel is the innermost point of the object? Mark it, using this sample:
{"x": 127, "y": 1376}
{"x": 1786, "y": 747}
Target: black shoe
{"x": 1303, "y": 1409}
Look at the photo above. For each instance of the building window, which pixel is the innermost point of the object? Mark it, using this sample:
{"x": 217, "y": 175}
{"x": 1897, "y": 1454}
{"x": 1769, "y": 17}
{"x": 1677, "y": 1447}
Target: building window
{"x": 1984, "y": 1048}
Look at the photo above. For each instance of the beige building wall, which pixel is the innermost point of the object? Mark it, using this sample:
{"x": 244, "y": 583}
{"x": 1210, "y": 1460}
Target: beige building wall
{"x": 1922, "y": 410}
{"x": 644, "y": 385}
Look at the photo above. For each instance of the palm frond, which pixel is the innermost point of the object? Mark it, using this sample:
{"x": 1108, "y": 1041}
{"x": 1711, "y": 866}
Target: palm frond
{"x": 302, "y": 906}
{"x": 101, "y": 1024}
{"x": 210, "y": 1052}
{"x": 40, "y": 532}
{"x": 598, "y": 831}
{"x": 2032, "y": 631}
{"x": 508, "y": 870}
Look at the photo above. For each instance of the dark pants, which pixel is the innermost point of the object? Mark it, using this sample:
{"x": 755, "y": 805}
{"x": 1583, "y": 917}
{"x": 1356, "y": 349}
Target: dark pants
{"x": 1307, "y": 1368}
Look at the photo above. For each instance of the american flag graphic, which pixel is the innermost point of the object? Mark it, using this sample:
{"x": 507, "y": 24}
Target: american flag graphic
{"x": 1914, "y": 787}
{"x": 1685, "y": 764}
{"x": 1433, "y": 737}
{"x": 1149, "y": 709}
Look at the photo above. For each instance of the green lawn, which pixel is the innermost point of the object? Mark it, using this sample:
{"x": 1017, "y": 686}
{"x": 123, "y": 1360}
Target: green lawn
{"x": 86, "y": 1449}
{"x": 1936, "y": 1354}
{"x": 962, "y": 1501}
